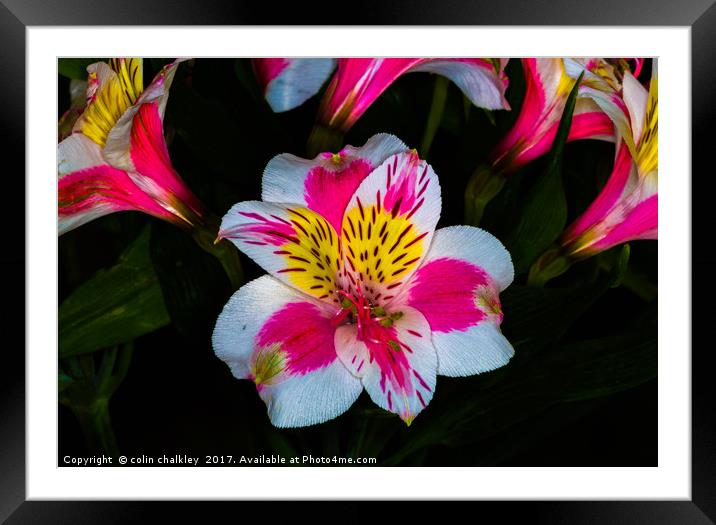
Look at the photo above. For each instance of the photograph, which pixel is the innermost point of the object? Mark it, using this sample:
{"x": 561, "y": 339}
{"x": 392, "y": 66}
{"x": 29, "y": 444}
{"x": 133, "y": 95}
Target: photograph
{"x": 357, "y": 261}
{"x": 396, "y": 252}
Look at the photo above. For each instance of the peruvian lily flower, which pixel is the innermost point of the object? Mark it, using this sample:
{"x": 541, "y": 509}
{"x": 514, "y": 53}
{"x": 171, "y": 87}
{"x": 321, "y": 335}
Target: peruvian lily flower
{"x": 358, "y": 82}
{"x": 627, "y": 207}
{"x": 363, "y": 293}
{"x": 116, "y": 157}
{"x": 548, "y": 84}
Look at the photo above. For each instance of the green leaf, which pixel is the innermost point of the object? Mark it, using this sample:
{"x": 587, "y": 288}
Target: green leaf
{"x": 247, "y": 79}
{"x": 193, "y": 283}
{"x": 619, "y": 270}
{"x": 115, "y": 305}
{"x": 544, "y": 213}
{"x": 543, "y": 371}
{"x": 63, "y": 381}
{"x": 625, "y": 274}
{"x": 555, "y": 154}
{"x": 579, "y": 371}
{"x": 536, "y": 317}
{"x": 75, "y": 67}
{"x": 437, "y": 106}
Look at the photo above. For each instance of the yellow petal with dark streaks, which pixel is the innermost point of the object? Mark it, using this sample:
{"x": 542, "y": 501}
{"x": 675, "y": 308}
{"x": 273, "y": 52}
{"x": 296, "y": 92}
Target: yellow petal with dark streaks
{"x": 648, "y": 149}
{"x": 120, "y": 84}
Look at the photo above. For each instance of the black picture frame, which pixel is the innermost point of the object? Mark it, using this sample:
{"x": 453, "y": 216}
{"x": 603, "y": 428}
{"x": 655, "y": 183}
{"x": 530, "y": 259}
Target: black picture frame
{"x": 699, "y": 15}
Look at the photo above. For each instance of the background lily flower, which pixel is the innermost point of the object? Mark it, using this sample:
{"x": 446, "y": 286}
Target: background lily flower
{"x": 78, "y": 103}
{"x": 116, "y": 157}
{"x": 382, "y": 303}
{"x": 358, "y": 82}
{"x": 289, "y": 82}
{"x": 627, "y": 208}
{"x": 548, "y": 83}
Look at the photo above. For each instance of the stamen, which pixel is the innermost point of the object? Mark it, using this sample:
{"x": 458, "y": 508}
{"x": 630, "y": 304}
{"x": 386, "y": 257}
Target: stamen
{"x": 340, "y": 316}
{"x": 365, "y": 315}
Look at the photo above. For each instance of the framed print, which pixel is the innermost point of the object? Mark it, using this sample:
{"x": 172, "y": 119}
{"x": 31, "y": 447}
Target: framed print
{"x": 415, "y": 268}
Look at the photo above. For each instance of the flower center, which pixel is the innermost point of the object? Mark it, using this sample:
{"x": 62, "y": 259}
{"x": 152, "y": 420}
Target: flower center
{"x": 366, "y": 315}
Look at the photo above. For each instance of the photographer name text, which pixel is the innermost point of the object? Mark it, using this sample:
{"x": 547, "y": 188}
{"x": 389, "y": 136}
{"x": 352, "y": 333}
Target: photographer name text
{"x": 194, "y": 461}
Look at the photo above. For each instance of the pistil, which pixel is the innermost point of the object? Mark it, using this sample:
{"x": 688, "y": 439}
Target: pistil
{"x": 361, "y": 311}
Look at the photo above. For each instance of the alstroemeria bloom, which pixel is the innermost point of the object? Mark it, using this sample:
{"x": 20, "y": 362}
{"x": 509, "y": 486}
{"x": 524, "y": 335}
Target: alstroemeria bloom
{"x": 358, "y": 82}
{"x": 116, "y": 157}
{"x": 548, "y": 84}
{"x": 627, "y": 207}
{"x": 363, "y": 293}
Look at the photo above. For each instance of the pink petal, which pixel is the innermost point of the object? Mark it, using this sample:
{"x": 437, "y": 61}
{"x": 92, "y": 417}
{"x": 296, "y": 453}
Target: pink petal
{"x": 613, "y": 191}
{"x": 154, "y": 172}
{"x": 328, "y": 191}
{"x": 540, "y": 105}
{"x": 397, "y": 365}
{"x": 90, "y": 193}
{"x": 626, "y": 209}
{"x": 641, "y": 223}
{"x": 356, "y": 85}
{"x": 547, "y": 88}
{"x": 589, "y": 126}
{"x": 594, "y": 125}
{"x": 267, "y": 69}
{"x": 358, "y": 82}
{"x": 284, "y": 342}
{"x": 326, "y": 183}
{"x": 444, "y": 291}
{"x": 457, "y": 289}
{"x": 305, "y": 334}
{"x": 88, "y": 188}
{"x": 116, "y": 150}
{"x": 638, "y": 65}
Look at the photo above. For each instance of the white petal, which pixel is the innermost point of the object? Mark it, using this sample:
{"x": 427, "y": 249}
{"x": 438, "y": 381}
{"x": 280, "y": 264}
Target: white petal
{"x": 242, "y": 318}
{"x": 313, "y": 398}
{"x": 77, "y": 152}
{"x": 292, "y": 243}
{"x": 66, "y": 223}
{"x": 635, "y": 98}
{"x": 116, "y": 150}
{"x": 299, "y": 81}
{"x": 480, "y": 349}
{"x": 457, "y": 290}
{"x": 293, "y": 399}
{"x": 399, "y": 378}
{"x": 482, "y": 85}
{"x": 284, "y": 179}
{"x": 476, "y": 246}
{"x": 326, "y": 183}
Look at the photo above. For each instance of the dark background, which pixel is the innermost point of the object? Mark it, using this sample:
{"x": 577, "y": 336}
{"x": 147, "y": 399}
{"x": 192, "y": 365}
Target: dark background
{"x": 564, "y": 400}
